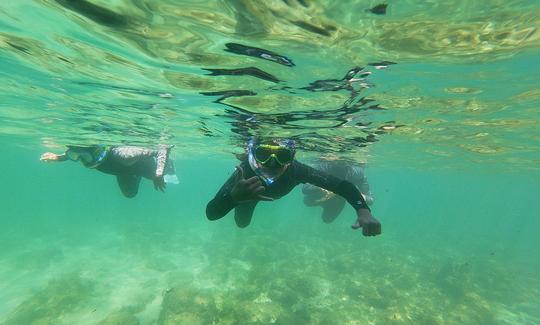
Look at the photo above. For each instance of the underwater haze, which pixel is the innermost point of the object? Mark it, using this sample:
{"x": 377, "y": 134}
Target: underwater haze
{"x": 439, "y": 100}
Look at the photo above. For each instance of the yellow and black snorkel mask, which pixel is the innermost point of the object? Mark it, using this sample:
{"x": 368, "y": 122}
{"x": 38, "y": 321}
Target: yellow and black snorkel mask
{"x": 268, "y": 154}
{"x": 265, "y": 153}
{"x": 267, "y": 159}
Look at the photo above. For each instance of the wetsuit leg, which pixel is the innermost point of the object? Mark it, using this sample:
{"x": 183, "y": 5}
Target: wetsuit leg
{"x": 332, "y": 208}
{"x": 129, "y": 184}
{"x": 145, "y": 167}
{"x": 310, "y": 201}
{"x": 243, "y": 213}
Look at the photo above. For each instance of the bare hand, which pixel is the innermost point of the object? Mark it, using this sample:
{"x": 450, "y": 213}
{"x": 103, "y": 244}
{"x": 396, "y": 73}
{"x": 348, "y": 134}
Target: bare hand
{"x": 248, "y": 189}
{"x": 370, "y": 226}
{"x": 49, "y": 156}
{"x": 159, "y": 183}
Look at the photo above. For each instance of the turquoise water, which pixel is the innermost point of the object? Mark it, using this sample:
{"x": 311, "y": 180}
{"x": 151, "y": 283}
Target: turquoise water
{"x": 452, "y": 153}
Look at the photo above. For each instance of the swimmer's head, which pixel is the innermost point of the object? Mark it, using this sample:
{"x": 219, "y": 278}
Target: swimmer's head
{"x": 270, "y": 158}
{"x": 274, "y": 153}
{"x": 88, "y": 155}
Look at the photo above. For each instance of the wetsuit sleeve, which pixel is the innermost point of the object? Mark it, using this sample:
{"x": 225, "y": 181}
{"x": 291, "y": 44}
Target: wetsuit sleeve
{"x": 343, "y": 188}
{"x": 222, "y": 203}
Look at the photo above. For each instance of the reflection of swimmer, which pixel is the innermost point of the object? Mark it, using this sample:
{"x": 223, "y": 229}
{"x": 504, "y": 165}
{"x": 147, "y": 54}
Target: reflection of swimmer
{"x": 258, "y": 53}
{"x": 379, "y": 9}
{"x": 331, "y": 203}
{"x": 270, "y": 172}
{"x": 356, "y": 74}
{"x": 128, "y": 163}
{"x": 251, "y": 71}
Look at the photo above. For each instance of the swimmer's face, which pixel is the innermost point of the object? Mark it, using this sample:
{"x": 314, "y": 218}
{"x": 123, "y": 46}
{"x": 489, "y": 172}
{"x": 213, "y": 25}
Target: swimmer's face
{"x": 272, "y": 169}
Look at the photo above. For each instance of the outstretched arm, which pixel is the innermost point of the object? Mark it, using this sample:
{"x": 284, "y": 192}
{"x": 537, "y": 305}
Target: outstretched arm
{"x": 370, "y": 226}
{"x": 49, "y": 157}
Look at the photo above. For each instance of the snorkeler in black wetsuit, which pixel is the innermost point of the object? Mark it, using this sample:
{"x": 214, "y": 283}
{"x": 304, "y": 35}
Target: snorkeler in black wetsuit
{"x": 270, "y": 172}
{"x": 128, "y": 163}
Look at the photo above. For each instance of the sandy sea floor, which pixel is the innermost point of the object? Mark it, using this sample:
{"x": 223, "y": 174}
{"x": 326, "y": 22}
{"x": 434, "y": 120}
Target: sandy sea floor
{"x": 319, "y": 275}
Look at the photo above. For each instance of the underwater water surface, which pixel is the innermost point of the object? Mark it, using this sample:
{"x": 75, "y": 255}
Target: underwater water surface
{"x": 438, "y": 99}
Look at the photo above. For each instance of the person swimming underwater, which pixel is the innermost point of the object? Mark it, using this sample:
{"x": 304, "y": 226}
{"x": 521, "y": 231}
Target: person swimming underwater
{"x": 128, "y": 163}
{"x": 333, "y": 204}
{"x": 270, "y": 172}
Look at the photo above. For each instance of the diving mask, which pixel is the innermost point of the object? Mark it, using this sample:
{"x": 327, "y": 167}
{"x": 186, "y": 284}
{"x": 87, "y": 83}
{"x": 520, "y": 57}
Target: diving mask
{"x": 264, "y": 154}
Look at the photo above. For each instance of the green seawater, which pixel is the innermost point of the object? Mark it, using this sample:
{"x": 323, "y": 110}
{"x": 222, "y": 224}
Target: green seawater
{"x": 452, "y": 154}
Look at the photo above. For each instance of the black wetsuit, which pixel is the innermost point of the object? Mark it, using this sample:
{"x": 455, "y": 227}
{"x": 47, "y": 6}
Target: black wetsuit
{"x": 295, "y": 174}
